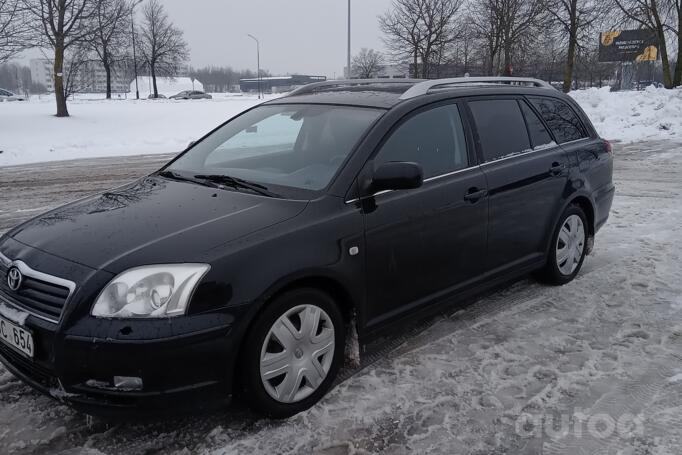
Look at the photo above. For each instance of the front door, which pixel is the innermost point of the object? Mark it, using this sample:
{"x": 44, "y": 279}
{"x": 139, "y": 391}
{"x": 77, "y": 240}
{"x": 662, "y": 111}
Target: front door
{"x": 424, "y": 243}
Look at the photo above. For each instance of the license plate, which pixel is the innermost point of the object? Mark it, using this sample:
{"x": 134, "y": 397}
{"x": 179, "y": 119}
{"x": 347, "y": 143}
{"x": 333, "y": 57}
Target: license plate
{"x": 17, "y": 337}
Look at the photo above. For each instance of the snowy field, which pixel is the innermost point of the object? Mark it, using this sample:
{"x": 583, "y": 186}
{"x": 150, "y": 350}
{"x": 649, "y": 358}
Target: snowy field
{"x": 29, "y": 133}
{"x": 592, "y": 368}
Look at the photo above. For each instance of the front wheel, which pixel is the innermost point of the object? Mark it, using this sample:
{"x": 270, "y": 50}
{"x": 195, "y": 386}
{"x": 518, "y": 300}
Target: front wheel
{"x": 293, "y": 353}
{"x": 568, "y": 248}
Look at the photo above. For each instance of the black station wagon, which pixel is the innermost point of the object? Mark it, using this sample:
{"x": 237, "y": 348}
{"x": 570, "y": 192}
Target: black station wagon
{"x": 347, "y": 207}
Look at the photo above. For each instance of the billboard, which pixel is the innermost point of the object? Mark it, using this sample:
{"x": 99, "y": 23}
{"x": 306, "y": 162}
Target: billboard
{"x": 628, "y": 46}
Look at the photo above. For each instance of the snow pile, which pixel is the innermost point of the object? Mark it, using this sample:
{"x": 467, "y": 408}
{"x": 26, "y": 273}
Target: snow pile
{"x": 654, "y": 113}
{"x": 165, "y": 85}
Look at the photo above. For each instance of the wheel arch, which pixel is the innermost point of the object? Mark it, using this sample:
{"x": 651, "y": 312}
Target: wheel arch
{"x": 587, "y": 207}
{"x": 319, "y": 280}
{"x": 586, "y": 203}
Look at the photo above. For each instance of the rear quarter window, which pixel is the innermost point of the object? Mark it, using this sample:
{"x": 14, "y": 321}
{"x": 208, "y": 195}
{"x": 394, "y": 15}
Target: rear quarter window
{"x": 561, "y": 119}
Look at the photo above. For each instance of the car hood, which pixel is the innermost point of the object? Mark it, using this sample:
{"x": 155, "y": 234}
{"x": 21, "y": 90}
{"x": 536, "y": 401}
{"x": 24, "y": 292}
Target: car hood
{"x": 152, "y": 221}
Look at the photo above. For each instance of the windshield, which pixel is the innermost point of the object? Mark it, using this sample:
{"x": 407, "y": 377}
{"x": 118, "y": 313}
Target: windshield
{"x": 297, "y": 146}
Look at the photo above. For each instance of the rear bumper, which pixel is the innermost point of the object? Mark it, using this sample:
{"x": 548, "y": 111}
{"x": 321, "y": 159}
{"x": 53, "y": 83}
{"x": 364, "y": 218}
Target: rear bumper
{"x": 603, "y": 200}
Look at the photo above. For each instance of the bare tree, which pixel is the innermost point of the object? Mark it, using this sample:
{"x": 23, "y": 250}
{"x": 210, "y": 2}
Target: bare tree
{"x": 63, "y": 23}
{"x": 509, "y": 28}
{"x": 76, "y": 61}
{"x": 420, "y": 30}
{"x": 519, "y": 20}
{"x": 575, "y": 19}
{"x": 15, "y": 29}
{"x": 111, "y": 37}
{"x": 367, "y": 64}
{"x": 486, "y": 23}
{"x": 161, "y": 43}
{"x": 676, "y": 28}
{"x": 650, "y": 15}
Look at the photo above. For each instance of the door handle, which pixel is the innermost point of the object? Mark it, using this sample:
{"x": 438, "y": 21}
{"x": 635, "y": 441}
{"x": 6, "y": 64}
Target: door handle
{"x": 475, "y": 194}
{"x": 557, "y": 168}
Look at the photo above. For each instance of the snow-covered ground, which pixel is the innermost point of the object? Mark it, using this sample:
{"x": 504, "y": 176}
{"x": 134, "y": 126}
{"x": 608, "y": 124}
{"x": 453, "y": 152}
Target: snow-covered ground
{"x": 29, "y": 132}
{"x": 593, "y": 367}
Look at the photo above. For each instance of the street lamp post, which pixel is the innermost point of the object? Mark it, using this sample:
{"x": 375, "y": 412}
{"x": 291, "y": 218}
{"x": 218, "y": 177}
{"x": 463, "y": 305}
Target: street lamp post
{"x": 348, "y": 55}
{"x": 258, "y": 62}
{"x": 132, "y": 25}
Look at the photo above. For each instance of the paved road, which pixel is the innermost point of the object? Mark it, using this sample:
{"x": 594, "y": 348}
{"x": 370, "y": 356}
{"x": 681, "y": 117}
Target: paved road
{"x": 594, "y": 367}
{"x": 28, "y": 190}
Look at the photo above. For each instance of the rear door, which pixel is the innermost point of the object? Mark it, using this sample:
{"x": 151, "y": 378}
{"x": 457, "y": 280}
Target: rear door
{"x": 526, "y": 173}
{"x": 422, "y": 244}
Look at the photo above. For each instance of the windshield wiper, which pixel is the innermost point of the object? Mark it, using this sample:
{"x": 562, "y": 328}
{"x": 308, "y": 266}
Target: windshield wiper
{"x": 237, "y": 183}
{"x": 176, "y": 176}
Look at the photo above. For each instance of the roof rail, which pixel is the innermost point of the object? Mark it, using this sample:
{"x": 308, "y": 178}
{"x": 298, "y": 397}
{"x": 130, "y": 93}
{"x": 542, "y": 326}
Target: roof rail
{"x": 315, "y": 86}
{"x": 422, "y": 88}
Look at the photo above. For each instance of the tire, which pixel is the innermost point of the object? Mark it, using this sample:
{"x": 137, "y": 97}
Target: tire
{"x": 568, "y": 249}
{"x": 300, "y": 370}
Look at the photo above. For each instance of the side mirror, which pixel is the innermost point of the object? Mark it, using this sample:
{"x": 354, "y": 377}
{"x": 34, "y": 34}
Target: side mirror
{"x": 399, "y": 175}
{"x": 191, "y": 144}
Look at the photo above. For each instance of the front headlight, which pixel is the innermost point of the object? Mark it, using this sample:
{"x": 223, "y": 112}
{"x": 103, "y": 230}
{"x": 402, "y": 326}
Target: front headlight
{"x": 154, "y": 291}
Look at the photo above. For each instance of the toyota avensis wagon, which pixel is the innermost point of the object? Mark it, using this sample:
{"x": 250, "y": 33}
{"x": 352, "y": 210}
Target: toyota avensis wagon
{"x": 241, "y": 266}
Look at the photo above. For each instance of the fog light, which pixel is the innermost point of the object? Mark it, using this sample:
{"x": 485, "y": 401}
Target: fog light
{"x": 128, "y": 383}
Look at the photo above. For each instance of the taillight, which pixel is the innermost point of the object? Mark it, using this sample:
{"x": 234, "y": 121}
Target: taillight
{"x": 609, "y": 147}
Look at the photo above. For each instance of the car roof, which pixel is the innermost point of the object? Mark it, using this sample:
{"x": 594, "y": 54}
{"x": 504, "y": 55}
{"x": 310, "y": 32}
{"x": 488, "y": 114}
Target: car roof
{"x": 387, "y": 93}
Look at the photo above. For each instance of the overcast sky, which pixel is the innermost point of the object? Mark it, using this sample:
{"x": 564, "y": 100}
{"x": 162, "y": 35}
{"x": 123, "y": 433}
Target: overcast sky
{"x": 297, "y": 36}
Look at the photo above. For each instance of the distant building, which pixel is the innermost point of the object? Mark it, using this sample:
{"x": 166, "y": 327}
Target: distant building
{"x": 394, "y": 72}
{"x": 278, "y": 84}
{"x": 41, "y": 73}
{"x": 399, "y": 71}
{"x": 165, "y": 85}
{"x": 91, "y": 77}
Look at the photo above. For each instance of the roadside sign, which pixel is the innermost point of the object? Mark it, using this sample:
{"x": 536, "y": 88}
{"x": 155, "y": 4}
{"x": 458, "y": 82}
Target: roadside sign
{"x": 628, "y": 46}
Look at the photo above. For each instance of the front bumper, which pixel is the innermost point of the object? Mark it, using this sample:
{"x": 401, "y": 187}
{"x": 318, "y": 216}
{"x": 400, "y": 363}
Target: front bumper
{"x": 186, "y": 361}
{"x": 183, "y": 364}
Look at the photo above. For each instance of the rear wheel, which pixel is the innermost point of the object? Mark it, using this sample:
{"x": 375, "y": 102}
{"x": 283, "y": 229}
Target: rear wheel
{"x": 569, "y": 247}
{"x": 293, "y": 353}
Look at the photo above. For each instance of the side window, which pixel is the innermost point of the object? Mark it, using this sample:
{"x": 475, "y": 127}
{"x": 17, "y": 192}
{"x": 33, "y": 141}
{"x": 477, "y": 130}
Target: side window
{"x": 539, "y": 136}
{"x": 501, "y": 128}
{"x": 561, "y": 119}
{"x": 434, "y": 138}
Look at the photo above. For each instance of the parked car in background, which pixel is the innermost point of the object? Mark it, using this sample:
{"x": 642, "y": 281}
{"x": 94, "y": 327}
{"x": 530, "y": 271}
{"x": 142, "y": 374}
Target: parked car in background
{"x": 157, "y": 97}
{"x": 191, "y": 95}
{"x": 6, "y": 95}
{"x": 241, "y": 265}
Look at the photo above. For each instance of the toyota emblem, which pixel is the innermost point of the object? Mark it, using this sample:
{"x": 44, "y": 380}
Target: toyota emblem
{"x": 14, "y": 279}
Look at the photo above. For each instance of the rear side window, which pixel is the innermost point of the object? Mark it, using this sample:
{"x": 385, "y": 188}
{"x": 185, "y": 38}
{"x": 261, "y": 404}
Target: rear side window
{"x": 501, "y": 128}
{"x": 539, "y": 136}
{"x": 434, "y": 139}
{"x": 562, "y": 120}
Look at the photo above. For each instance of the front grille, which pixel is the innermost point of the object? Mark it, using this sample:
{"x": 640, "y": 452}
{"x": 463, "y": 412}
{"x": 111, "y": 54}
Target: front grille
{"x": 27, "y": 367}
{"x": 35, "y": 295}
